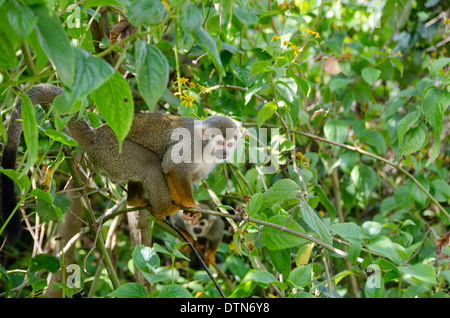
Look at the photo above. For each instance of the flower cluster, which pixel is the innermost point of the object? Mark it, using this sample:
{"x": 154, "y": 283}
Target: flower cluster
{"x": 286, "y": 43}
{"x": 188, "y": 99}
{"x": 312, "y": 32}
{"x": 303, "y": 159}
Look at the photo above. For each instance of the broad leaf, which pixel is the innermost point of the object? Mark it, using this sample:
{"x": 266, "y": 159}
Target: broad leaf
{"x": 115, "y": 102}
{"x": 152, "y": 73}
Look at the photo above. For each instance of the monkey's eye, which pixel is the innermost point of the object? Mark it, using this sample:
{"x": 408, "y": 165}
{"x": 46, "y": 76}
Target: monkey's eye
{"x": 202, "y": 223}
{"x": 230, "y": 144}
{"x": 220, "y": 142}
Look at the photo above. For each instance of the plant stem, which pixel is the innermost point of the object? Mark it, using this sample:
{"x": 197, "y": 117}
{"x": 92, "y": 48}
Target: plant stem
{"x": 91, "y": 219}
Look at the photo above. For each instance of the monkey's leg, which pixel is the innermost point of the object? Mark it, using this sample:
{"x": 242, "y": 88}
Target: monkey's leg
{"x": 180, "y": 190}
{"x": 158, "y": 193}
{"x": 136, "y": 195}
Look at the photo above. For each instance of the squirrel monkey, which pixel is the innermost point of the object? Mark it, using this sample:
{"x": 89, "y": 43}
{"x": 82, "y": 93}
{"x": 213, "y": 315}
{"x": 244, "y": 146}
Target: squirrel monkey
{"x": 205, "y": 234}
{"x": 149, "y": 161}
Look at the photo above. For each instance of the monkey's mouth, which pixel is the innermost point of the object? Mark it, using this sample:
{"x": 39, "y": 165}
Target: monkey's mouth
{"x": 221, "y": 154}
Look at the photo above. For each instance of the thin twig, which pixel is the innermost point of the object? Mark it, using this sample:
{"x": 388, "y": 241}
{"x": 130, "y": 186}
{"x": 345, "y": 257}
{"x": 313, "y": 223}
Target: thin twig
{"x": 198, "y": 256}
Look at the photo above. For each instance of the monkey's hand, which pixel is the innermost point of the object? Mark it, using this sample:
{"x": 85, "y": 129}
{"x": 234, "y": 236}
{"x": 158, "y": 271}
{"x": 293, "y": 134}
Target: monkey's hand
{"x": 192, "y": 216}
{"x": 210, "y": 256}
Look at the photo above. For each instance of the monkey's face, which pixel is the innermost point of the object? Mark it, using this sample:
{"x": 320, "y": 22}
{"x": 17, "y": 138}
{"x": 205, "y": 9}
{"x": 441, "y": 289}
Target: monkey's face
{"x": 218, "y": 147}
{"x": 201, "y": 228}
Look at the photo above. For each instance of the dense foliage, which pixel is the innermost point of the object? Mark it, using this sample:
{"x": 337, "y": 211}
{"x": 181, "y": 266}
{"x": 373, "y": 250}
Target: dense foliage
{"x": 340, "y": 187}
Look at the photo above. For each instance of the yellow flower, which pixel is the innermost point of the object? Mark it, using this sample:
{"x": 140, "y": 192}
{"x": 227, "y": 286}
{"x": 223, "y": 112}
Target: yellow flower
{"x": 167, "y": 5}
{"x": 204, "y": 89}
{"x": 295, "y": 49}
{"x": 283, "y": 5}
{"x": 187, "y": 99}
{"x": 447, "y": 21}
{"x": 313, "y": 32}
{"x": 199, "y": 294}
{"x": 181, "y": 81}
{"x": 192, "y": 84}
{"x": 274, "y": 38}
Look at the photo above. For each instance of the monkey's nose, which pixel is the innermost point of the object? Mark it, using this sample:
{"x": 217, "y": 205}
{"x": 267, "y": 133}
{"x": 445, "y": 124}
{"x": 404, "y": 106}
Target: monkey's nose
{"x": 197, "y": 230}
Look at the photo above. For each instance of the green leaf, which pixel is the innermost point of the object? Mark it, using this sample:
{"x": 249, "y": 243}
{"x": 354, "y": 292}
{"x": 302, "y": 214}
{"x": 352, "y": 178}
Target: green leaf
{"x": 129, "y": 290}
{"x": 354, "y": 249}
{"x": 30, "y": 131}
{"x": 55, "y": 43}
{"x": 47, "y": 210}
{"x": 371, "y": 228}
{"x": 90, "y": 73}
{"x": 146, "y": 261}
{"x": 266, "y": 112}
{"x": 383, "y": 245}
{"x": 370, "y": 75}
{"x": 191, "y": 17}
{"x": 8, "y": 41}
{"x": 21, "y": 18}
{"x": 149, "y": 12}
{"x": 36, "y": 282}
{"x": 5, "y": 277}
{"x": 46, "y": 196}
{"x": 281, "y": 259}
{"x": 60, "y": 137}
{"x": 259, "y": 67}
{"x": 44, "y": 261}
{"x": 279, "y": 192}
{"x": 246, "y": 17}
{"x": 405, "y": 124}
{"x": 315, "y": 223}
{"x": 208, "y": 43}
{"x": 434, "y": 104}
{"x": 420, "y": 272}
{"x": 375, "y": 139}
{"x": 348, "y": 231}
{"x": 336, "y": 130}
{"x": 115, "y": 102}
{"x": 255, "y": 203}
{"x": 365, "y": 179}
{"x": 21, "y": 180}
{"x": 437, "y": 65}
{"x": 414, "y": 141}
{"x": 174, "y": 291}
{"x": 398, "y": 65}
{"x": 325, "y": 202}
{"x": 275, "y": 239}
{"x": 264, "y": 278}
{"x": 441, "y": 188}
{"x": 301, "y": 276}
{"x": 338, "y": 83}
{"x": 152, "y": 71}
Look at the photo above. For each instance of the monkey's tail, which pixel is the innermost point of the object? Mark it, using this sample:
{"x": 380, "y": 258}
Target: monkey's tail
{"x": 39, "y": 94}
